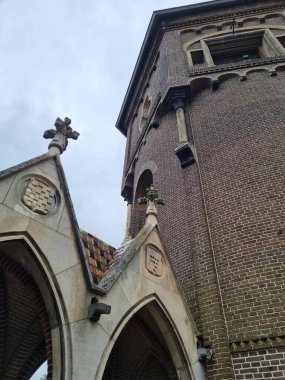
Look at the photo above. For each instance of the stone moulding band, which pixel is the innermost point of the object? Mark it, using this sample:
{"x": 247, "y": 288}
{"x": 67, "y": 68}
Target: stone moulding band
{"x": 243, "y": 344}
{"x": 235, "y": 66}
{"x": 226, "y": 16}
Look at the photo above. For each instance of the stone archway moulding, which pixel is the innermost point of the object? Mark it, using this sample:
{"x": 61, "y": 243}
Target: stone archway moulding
{"x": 45, "y": 279}
{"x": 174, "y": 334}
{"x": 149, "y": 165}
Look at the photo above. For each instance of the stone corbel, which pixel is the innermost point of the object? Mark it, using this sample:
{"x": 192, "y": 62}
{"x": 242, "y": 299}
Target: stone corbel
{"x": 177, "y": 99}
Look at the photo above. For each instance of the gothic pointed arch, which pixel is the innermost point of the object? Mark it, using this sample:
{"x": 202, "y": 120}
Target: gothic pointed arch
{"x": 29, "y": 323}
{"x": 147, "y": 348}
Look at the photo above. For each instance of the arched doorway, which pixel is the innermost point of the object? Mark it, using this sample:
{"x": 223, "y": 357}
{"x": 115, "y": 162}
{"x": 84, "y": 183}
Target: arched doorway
{"x": 27, "y": 315}
{"x": 142, "y": 350}
{"x": 139, "y": 211}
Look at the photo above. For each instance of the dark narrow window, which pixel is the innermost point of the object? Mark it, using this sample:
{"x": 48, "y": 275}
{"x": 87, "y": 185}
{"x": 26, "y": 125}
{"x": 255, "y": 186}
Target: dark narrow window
{"x": 197, "y": 57}
{"x": 139, "y": 211}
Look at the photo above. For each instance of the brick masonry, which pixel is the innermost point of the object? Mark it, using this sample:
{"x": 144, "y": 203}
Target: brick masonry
{"x": 25, "y": 340}
{"x": 223, "y": 222}
{"x": 261, "y": 364}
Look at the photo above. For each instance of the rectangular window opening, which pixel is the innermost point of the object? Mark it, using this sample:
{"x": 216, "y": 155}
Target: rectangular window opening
{"x": 281, "y": 39}
{"x": 241, "y": 56}
{"x": 237, "y": 48}
{"x": 197, "y": 57}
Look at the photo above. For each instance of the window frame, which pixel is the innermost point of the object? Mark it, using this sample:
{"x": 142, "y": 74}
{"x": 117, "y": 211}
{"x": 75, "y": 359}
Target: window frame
{"x": 261, "y": 40}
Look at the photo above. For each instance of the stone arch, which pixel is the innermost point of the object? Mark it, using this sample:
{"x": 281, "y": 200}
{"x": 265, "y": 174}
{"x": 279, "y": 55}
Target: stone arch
{"x": 251, "y": 21}
{"x": 149, "y": 165}
{"x": 30, "y": 314}
{"x": 274, "y": 18}
{"x": 260, "y": 70}
{"x": 227, "y": 25}
{"x": 208, "y": 29}
{"x": 145, "y": 179}
{"x": 199, "y": 84}
{"x": 163, "y": 339}
{"x": 190, "y": 32}
{"x": 222, "y": 78}
{"x": 280, "y": 68}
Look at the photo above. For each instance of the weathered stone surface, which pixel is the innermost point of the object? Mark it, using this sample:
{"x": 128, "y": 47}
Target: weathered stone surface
{"x": 153, "y": 261}
{"x": 119, "y": 302}
{"x": 86, "y": 353}
{"x": 61, "y": 134}
{"x": 74, "y": 292}
{"x": 4, "y": 187}
{"x": 59, "y": 250}
{"x": 65, "y": 225}
{"x": 39, "y": 196}
{"x": 35, "y": 194}
{"x": 12, "y": 221}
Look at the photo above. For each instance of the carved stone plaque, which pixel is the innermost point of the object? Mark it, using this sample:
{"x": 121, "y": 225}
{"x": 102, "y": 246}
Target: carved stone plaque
{"x": 154, "y": 262}
{"x": 39, "y": 197}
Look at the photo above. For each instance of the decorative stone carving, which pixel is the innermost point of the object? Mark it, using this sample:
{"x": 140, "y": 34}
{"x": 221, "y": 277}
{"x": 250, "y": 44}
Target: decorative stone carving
{"x": 151, "y": 197}
{"x": 154, "y": 263}
{"x": 39, "y": 196}
{"x": 61, "y": 134}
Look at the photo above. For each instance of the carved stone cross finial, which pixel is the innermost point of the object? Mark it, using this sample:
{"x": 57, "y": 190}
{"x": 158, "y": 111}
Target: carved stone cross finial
{"x": 61, "y": 134}
{"x": 151, "y": 196}
{"x": 151, "y": 199}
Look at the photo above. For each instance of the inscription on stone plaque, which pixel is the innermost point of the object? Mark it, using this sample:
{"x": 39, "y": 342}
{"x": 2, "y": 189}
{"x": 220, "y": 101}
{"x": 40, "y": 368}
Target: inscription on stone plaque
{"x": 154, "y": 261}
{"x": 39, "y": 197}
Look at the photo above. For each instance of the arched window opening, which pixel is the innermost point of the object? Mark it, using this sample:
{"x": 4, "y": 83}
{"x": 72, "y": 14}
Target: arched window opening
{"x": 141, "y": 351}
{"x": 25, "y": 325}
{"x": 139, "y": 211}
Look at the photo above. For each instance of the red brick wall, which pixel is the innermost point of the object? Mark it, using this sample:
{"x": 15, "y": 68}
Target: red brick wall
{"x": 227, "y": 213}
{"x": 224, "y": 219}
{"x": 239, "y": 135}
{"x": 261, "y": 364}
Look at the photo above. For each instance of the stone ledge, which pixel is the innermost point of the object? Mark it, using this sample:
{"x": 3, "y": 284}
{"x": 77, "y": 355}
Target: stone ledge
{"x": 256, "y": 343}
{"x": 235, "y": 66}
{"x": 222, "y": 17}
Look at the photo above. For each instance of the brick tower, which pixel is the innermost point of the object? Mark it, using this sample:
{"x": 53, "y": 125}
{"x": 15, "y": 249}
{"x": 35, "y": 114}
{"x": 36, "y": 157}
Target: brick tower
{"x": 204, "y": 120}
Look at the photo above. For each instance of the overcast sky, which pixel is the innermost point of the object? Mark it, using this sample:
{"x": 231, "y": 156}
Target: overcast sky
{"x": 73, "y": 58}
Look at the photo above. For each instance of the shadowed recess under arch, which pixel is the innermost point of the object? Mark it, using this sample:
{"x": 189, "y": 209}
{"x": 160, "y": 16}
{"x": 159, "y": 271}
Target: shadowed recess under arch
{"x": 25, "y": 340}
{"x": 141, "y": 350}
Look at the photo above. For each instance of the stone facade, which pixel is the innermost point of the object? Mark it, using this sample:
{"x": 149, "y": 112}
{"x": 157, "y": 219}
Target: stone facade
{"x": 223, "y": 222}
{"x": 68, "y": 298}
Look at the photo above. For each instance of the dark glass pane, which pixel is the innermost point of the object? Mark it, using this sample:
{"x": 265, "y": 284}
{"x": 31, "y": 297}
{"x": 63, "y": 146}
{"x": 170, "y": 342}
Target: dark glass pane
{"x": 233, "y": 58}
